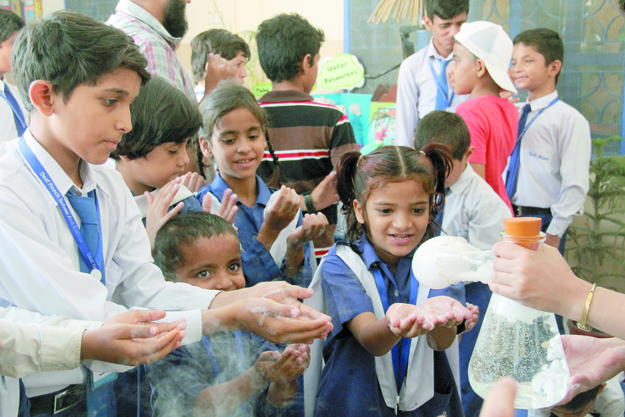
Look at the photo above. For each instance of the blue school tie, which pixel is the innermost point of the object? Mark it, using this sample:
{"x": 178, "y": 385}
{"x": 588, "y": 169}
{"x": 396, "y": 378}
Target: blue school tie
{"x": 86, "y": 210}
{"x": 442, "y": 92}
{"x": 515, "y": 159}
{"x": 18, "y": 116}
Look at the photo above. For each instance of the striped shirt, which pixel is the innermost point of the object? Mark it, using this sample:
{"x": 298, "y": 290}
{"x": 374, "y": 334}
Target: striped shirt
{"x": 309, "y": 139}
{"x": 158, "y": 46}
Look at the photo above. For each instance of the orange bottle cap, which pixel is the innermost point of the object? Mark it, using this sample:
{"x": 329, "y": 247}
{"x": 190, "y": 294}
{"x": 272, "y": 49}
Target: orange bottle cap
{"x": 522, "y": 226}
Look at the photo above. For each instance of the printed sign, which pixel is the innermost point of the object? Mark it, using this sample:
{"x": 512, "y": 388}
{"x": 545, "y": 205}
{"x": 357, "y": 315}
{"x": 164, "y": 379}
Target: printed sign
{"x": 260, "y": 89}
{"x": 343, "y": 72}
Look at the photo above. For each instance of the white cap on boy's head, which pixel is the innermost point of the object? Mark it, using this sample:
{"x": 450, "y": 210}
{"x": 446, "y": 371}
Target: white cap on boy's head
{"x": 491, "y": 44}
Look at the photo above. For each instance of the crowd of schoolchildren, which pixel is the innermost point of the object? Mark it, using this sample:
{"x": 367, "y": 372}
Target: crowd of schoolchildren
{"x": 123, "y": 202}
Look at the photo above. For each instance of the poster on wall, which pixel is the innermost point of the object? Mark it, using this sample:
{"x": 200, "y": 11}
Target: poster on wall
{"x": 355, "y": 107}
{"x": 28, "y": 10}
{"x": 381, "y": 126}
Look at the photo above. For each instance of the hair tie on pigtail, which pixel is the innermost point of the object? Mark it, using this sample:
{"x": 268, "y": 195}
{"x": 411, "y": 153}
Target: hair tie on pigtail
{"x": 422, "y": 153}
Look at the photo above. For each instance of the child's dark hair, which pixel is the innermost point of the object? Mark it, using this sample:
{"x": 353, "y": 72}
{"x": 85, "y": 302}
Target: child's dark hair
{"x": 185, "y": 229}
{"x": 445, "y": 9}
{"x": 215, "y": 41}
{"x": 546, "y": 42}
{"x": 581, "y": 400}
{"x": 160, "y": 114}
{"x": 9, "y": 24}
{"x": 68, "y": 49}
{"x": 443, "y": 127}
{"x": 360, "y": 175}
{"x": 229, "y": 96}
{"x": 283, "y": 42}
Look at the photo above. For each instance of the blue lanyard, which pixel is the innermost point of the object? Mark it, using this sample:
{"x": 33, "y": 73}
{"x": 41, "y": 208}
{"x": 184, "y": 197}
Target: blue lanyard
{"x": 400, "y": 356}
{"x": 527, "y": 125}
{"x": 84, "y": 250}
{"x": 440, "y": 87}
{"x": 211, "y": 354}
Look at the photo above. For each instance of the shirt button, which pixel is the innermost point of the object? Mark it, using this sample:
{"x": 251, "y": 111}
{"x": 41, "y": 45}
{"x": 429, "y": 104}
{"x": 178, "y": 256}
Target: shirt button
{"x": 254, "y": 237}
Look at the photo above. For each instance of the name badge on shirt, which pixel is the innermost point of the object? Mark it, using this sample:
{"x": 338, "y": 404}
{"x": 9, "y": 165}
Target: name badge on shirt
{"x": 100, "y": 379}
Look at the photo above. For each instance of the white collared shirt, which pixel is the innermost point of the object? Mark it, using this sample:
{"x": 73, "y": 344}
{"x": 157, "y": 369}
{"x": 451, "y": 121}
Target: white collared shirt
{"x": 555, "y": 158}
{"x": 416, "y": 92}
{"x": 31, "y": 343}
{"x": 7, "y": 122}
{"x": 39, "y": 266}
{"x": 474, "y": 211}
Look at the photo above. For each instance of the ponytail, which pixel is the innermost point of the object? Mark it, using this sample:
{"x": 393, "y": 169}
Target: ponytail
{"x": 346, "y": 189}
{"x": 273, "y": 180}
{"x": 440, "y": 158}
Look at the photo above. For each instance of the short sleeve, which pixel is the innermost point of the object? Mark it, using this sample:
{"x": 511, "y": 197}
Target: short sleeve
{"x": 479, "y": 136}
{"x": 344, "y": 294}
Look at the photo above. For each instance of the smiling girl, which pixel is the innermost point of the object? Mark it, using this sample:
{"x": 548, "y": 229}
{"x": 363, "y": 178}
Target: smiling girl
{"x": 384, "y": 356}
{"x": 274, "y": 235}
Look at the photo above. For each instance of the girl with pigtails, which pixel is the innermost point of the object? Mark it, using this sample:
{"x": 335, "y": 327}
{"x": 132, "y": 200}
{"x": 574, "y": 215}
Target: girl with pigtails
{"x": 385, "y": 356}
{"x": 275, "y": 237}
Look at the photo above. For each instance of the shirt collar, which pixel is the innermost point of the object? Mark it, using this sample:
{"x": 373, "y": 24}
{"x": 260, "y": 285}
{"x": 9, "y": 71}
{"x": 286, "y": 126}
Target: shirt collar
{"x": 463, "y": 181}
{"x": 139, "y": 13}
{"x": 542, "y": 102}
{"x": 370, "y": 256}
{"x": 285, "y": 96}
{"x": 263, "y": 193}
{"x": 433, "y": 53}
{"x": 55, "y": 172}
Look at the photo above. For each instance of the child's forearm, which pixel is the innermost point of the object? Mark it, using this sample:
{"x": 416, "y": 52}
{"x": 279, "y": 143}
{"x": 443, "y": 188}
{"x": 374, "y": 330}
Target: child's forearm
{"x": 219, "y": 400}
{"x": 441, "y": 338}
{"x": 281, "y": 394}
{"x": 373, "y": 334}
{"x": 294, "y": 260}
{"x": 267, "y": 236}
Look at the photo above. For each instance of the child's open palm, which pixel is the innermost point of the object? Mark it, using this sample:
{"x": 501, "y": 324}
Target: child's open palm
{"x": 284, "y": 367}
{"x": 406, "y": 320}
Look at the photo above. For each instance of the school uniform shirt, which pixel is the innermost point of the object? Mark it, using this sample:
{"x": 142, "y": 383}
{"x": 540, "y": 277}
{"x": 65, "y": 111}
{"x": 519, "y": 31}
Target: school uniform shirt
{"x": 39, "y": 264}
{"x": 348, "y": 385}
{"x": 609, "y": 402}
{"x": 158, "y": 46}
{"x": 555, "y": 161}
{"x": 493, "y": 123}
{"x": 474, "y": 211}
{"x": 258, "y": 264}
{"x": 8, "y": 130}
{"x": 416, "y": 92}
{"x": 32, "y": 343}
{"x": 182, "y": 375}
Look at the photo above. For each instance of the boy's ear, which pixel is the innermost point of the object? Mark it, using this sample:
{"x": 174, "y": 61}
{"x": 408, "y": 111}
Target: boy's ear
{"x": 205, "y": 146}
{"x": 554, "y": 68}
{"x": 469, "y": 152}
{"x": 42, "y": 96}
{"x": 428, "y": 22}
{"x": 481, "y": 68}
{"x": 359, "y": 210}
{"x": 306, "y": 64}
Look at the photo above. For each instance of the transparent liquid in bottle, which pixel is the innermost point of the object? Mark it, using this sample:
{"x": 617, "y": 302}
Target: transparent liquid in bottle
{"x": 520, "y": 342}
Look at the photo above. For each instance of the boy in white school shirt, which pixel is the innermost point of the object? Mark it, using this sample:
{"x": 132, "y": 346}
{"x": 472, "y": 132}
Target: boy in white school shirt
{"x": 422, "y": 85}
{"x": 547, "y": 173}
{"x": 78, "y": 77}
{"x": 473, "y": 211}
{"x": 12, "y": 115}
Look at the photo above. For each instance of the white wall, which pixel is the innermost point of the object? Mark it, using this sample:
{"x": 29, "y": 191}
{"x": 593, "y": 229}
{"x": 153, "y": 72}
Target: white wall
{"x": 240, "y": 15}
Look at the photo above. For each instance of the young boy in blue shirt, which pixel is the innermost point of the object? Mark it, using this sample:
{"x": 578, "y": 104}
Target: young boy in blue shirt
{"x": 230, "y": 373}
{"x": 472, "y": 211}
{"x": 77, "y": 78}
{"x": 422, "y": 84}
{"x": 12, "y": 118}
{"x": 547, "y": 175}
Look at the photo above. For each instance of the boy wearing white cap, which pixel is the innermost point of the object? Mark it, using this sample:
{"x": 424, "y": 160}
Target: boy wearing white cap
{"x": 482, "y": 55}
